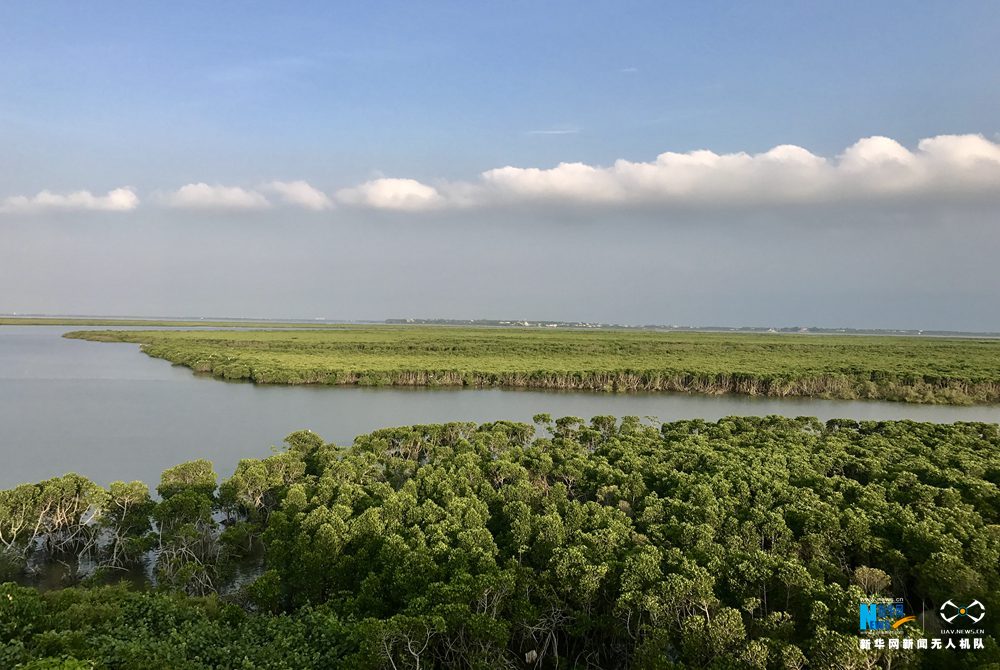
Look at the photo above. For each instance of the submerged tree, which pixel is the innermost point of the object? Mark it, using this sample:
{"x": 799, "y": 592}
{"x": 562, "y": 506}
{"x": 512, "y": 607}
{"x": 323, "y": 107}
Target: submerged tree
{"x": 126, "y": 523}
{"x": 188, "y": 549}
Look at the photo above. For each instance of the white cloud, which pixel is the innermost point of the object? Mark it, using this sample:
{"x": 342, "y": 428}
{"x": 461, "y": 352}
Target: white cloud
{"x": 395, "y": 194}
{"x": 206, "y": 196}
{"x": 301, "y": 194}
{"x": 946, "y": 167}
{"x": 118, "y": 200}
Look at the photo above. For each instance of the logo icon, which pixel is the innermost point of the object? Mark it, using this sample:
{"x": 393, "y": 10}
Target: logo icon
{"x": 882, "y": 616}
{"x": 974, "y": 611}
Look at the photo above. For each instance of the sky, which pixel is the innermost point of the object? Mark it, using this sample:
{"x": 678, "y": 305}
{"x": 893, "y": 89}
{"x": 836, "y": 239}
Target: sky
{"x": 772, "y": 164}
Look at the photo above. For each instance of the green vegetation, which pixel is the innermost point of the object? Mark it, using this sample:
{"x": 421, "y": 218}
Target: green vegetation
{"x": 745, "y": 543}
{"x": 930, "y": 370}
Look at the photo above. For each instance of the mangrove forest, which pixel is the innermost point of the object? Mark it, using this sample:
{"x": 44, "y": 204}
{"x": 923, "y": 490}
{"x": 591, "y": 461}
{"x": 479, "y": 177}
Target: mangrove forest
{"x": 609, "y": 543}
{"x": 911, "y": 369}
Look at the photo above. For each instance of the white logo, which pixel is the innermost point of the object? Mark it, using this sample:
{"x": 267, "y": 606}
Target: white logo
{"x": 975, "y": 611}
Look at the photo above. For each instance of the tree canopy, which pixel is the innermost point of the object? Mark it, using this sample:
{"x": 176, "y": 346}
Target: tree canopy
{"x": 742, "y": 543}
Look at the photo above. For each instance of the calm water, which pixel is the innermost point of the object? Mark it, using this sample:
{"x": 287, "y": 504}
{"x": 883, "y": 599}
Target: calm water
{"x": 110, "y": 412}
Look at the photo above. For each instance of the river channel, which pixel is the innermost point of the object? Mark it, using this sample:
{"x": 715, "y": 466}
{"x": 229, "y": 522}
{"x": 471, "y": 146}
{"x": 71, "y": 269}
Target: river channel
{"x": 109, "y": 412}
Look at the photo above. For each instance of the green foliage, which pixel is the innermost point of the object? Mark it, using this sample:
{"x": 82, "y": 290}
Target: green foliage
{"x": 20, "y": 517}
{"x": 188, "y": 551}
{"x": 56, "y": 516}
{"x": 126, "y": 521}
{"x": 195, "y": 476}
{"x": 912, "y": 369}
{"x": 871, "y": 580}
{"x": 743, "y": 543}
{"x": 257, "y": 485}
{"x": 116, "y": 628}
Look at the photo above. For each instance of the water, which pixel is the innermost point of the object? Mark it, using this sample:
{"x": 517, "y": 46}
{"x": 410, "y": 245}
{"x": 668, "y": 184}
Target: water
{"x": 109, "y": 412}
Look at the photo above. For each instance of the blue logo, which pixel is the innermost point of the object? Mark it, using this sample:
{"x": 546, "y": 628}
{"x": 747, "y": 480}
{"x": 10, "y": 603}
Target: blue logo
{"x": 881, "y": 615}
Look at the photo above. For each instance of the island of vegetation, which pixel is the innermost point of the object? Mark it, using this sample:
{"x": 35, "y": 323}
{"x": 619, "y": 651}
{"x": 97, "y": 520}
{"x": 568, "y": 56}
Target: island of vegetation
{"x": 743, "y": 543}
{"x": 911, "y": 369}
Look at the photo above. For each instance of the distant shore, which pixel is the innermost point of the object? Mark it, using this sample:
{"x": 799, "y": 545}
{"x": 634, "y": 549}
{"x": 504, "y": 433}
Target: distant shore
{"x": 158, "y": 323}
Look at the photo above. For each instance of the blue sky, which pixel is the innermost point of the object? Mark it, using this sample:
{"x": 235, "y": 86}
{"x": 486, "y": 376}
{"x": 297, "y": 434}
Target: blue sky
{"x": 154, "y": 96}
{"x": 229, "y": 91}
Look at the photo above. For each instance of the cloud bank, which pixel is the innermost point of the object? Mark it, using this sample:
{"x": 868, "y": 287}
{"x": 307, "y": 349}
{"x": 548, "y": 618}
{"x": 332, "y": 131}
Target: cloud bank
{"x": 118, "y": 200}
{"x": 300, "y": 194}
{"x": 214, "y": 197}
{"x": 943, "y": 169}
{"x": 393, "y": 194}
{"x": 946, "y": 167}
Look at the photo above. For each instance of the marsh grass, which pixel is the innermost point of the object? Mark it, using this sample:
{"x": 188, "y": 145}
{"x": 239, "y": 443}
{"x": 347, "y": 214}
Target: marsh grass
{"x": 912, "y": 369}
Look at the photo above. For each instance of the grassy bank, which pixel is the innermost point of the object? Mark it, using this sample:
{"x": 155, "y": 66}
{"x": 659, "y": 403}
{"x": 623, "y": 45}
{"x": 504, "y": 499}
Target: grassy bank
{"x": 937, "y": 370}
